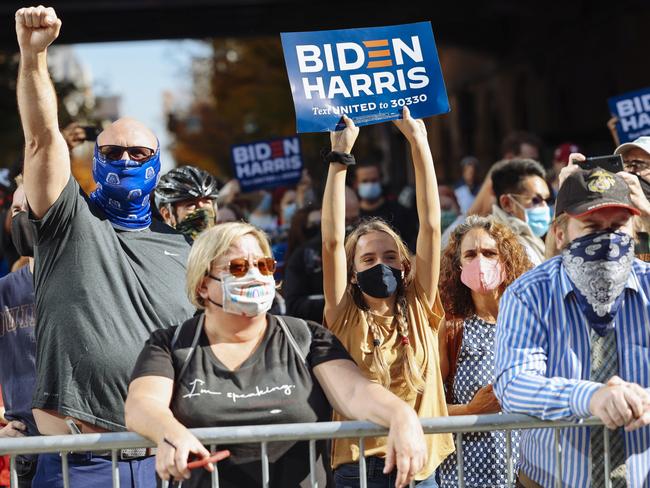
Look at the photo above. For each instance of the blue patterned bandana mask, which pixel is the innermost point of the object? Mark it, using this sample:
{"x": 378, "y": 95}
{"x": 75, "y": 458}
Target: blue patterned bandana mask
{"x": 599, "y": 266}
{"x": 123, "y": 189}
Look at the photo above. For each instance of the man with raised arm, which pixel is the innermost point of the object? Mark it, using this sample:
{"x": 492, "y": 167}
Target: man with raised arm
{"x": 106, "y": 274}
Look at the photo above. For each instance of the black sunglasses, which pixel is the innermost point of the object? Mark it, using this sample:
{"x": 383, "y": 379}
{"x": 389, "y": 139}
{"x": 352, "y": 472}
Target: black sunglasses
{"x": 140, "y": 154}
{"x": 536, "y": 200}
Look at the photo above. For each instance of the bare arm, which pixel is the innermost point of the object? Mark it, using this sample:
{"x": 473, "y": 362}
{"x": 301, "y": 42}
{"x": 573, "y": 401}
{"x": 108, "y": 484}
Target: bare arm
{"x": 47, "y": 162}
{"x": 427, "y": 253}
{"x": 333, "y": 224}
{"x": 147, "y": 412}
{"x": 359, "y": 398}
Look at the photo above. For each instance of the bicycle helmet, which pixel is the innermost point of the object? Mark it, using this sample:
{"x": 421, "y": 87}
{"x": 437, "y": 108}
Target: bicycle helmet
{"x": 185, "y": 183}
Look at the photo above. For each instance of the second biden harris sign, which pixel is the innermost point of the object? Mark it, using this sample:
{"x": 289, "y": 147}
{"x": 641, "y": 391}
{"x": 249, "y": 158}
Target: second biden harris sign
{"x": 368, "y": 74}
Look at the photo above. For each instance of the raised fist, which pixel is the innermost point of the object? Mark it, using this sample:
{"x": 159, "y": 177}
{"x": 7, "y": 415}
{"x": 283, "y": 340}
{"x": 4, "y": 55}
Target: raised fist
{"x": 36, "y": 28}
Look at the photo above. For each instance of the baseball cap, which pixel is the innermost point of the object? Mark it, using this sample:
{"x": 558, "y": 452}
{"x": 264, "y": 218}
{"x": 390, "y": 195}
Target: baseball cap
{"x": 642, "y": 143}
{"x": 563, "y": 151}
{"x": 586, "y": 191}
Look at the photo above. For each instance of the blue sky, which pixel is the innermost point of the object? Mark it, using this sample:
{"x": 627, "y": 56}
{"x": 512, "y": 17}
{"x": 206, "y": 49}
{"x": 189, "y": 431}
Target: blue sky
{"x": 140, "y": 72}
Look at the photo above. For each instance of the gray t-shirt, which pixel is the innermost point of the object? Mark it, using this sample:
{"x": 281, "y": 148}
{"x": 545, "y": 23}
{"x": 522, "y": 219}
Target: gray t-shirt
{"x": 100, "y": 293}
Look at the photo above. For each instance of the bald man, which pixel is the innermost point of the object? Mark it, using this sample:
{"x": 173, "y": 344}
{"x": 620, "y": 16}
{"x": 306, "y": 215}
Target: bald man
{"x": 106, "y": 274}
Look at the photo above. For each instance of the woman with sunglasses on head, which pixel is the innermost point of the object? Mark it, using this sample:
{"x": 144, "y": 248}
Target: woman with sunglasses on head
{"x": 383, "y": 305}
{"x": 482, "y": 259}
{"x": 234, "y": 364}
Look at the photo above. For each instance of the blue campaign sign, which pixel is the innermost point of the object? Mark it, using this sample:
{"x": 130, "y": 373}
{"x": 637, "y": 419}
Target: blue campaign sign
{"x": 633, "y": 112}
{"x": 267, "y": 164}
{"x": 368, "y": 74}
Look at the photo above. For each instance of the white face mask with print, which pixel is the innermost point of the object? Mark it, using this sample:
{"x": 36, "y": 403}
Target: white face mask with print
{"x": 250, "y": 295}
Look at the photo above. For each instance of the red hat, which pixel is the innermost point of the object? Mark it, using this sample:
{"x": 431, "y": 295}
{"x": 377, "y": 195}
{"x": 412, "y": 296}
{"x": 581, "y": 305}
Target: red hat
{"x": 563, "y": 151}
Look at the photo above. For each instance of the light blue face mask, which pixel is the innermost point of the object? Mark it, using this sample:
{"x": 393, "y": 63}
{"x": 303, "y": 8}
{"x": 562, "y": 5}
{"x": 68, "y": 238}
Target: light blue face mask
{"x": 288, "y": 213}
{"x": 538, "y": 219}
{"x": 370, "y": 191}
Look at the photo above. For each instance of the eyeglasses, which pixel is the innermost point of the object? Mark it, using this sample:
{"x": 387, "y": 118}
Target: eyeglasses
{"x": 636, "y": 165}
{"x": 239, "y": 267}
{"x": 140, "y": 154}
{"x": 536, "y": 200}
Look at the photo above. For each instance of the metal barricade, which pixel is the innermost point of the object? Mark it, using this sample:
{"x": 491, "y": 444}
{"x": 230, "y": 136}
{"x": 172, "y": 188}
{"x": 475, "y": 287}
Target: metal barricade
{"x": 311, "y": 432}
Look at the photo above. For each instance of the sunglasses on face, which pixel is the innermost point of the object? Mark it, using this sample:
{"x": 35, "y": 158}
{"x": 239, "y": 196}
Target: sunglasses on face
{"x": 536, "y": 200}
{"x": 239, "y": 267}
{"x": 140, "y": 154}
{"x": 636, "y": 165}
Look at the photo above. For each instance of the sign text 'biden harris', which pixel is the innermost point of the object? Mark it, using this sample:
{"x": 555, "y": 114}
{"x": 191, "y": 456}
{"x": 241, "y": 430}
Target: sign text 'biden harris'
{"x": 368, "y": 74}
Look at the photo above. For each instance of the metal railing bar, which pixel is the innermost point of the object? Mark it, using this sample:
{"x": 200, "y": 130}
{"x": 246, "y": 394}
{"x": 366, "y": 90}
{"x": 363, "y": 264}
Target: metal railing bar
{"x": 509, "y": 468}
{"x": 279, "y": 432}
{"x": 65, "y": 469}
{"x": 214, "y": 476}
{"x": 312, "y": 464}
{"x": 460, "y": 465}
{"x": 363, "y": 475}
{"x": 265, "y": 465}
{"x": 606, "y": 458}
{"x": 558, "y": 459}
{"x": 115, "y": 469}
{"x": 13, "y": 472}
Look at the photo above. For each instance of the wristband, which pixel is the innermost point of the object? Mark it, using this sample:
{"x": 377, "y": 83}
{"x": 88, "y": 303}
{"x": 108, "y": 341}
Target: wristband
{"x": 339, "y": 157}
{"x": 166, "y": 441}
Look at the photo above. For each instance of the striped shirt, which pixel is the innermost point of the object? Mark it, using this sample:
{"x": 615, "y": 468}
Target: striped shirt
{"x": 543, "y": 365}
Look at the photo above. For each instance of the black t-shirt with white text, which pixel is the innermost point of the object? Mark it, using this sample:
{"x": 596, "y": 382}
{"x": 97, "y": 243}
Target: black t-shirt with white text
{"x": 273, "y": 386}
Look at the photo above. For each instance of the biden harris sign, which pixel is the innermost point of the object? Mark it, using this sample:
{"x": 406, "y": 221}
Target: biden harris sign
{"x": 368, "y": 74}
{"x": 633, "y": 112}
{"x": 267, "y": 164}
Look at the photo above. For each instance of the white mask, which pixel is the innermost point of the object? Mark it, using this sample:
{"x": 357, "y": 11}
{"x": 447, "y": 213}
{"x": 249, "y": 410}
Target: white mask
{"x": 250, "y": 295}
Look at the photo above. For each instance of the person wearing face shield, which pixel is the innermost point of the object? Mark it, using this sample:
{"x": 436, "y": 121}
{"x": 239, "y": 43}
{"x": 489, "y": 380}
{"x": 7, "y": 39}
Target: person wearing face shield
{"x": 383, "y": 304}
{"x": 237, "y": 364}
{"x": 573, "y": 339}
{"x": 106, "y": 274}
{"x": 481, "y": 260}
{"x": 186, "y": 198}
{"x": 17, "y": 338}
{"x": 522, "y": 197}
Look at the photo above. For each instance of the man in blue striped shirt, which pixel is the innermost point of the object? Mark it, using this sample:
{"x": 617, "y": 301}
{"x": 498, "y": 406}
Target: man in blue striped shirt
{"x": 552, "y": 317}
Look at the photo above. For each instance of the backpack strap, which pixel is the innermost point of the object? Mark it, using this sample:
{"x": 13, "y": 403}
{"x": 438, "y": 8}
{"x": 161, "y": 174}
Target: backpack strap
{"x": 454, "y": 330}
{"x": 298, "y": 333}
{"x": 190, "y": 352}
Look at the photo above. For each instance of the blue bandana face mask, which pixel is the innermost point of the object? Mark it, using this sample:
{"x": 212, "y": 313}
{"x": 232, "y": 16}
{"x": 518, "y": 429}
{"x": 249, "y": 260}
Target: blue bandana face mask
{"x": 599, "y": 266}
{"x": 123, "y": 189}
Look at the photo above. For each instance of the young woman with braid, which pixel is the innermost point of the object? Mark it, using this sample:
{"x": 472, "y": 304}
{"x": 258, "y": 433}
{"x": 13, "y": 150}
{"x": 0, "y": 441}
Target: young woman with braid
{"x": 382, "y": 303}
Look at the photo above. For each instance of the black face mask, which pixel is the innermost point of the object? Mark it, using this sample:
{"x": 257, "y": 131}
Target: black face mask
{"x": 380, "y": 281}
{"x": 22, "y": 234}
{"x": 645, "y": 186}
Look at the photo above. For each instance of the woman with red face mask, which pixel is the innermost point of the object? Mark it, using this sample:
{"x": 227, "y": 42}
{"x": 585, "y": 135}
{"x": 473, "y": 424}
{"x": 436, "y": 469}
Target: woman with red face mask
{"x": 483, "y": 257}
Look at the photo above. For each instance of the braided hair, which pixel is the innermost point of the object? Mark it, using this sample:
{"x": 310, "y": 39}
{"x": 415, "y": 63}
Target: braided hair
{"x": 409, "y": 369}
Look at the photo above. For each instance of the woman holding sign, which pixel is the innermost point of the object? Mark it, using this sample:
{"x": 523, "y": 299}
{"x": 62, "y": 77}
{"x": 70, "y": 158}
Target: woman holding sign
{"x": 383, "y": 304}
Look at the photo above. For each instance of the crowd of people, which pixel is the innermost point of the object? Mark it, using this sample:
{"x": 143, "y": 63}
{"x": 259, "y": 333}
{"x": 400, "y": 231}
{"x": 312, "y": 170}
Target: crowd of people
{"x": 159, "y": 303}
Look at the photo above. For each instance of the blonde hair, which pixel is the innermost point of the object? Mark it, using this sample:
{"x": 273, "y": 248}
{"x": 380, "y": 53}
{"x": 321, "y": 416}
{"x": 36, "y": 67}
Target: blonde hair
{"x": 210, "y": 246}
{"x": 411, "y": 373}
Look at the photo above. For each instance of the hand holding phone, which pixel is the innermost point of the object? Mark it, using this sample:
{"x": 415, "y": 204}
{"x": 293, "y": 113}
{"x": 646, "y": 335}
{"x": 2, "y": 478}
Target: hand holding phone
{"x": 613, "y": 164}
{"x": 214, "y": 457}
